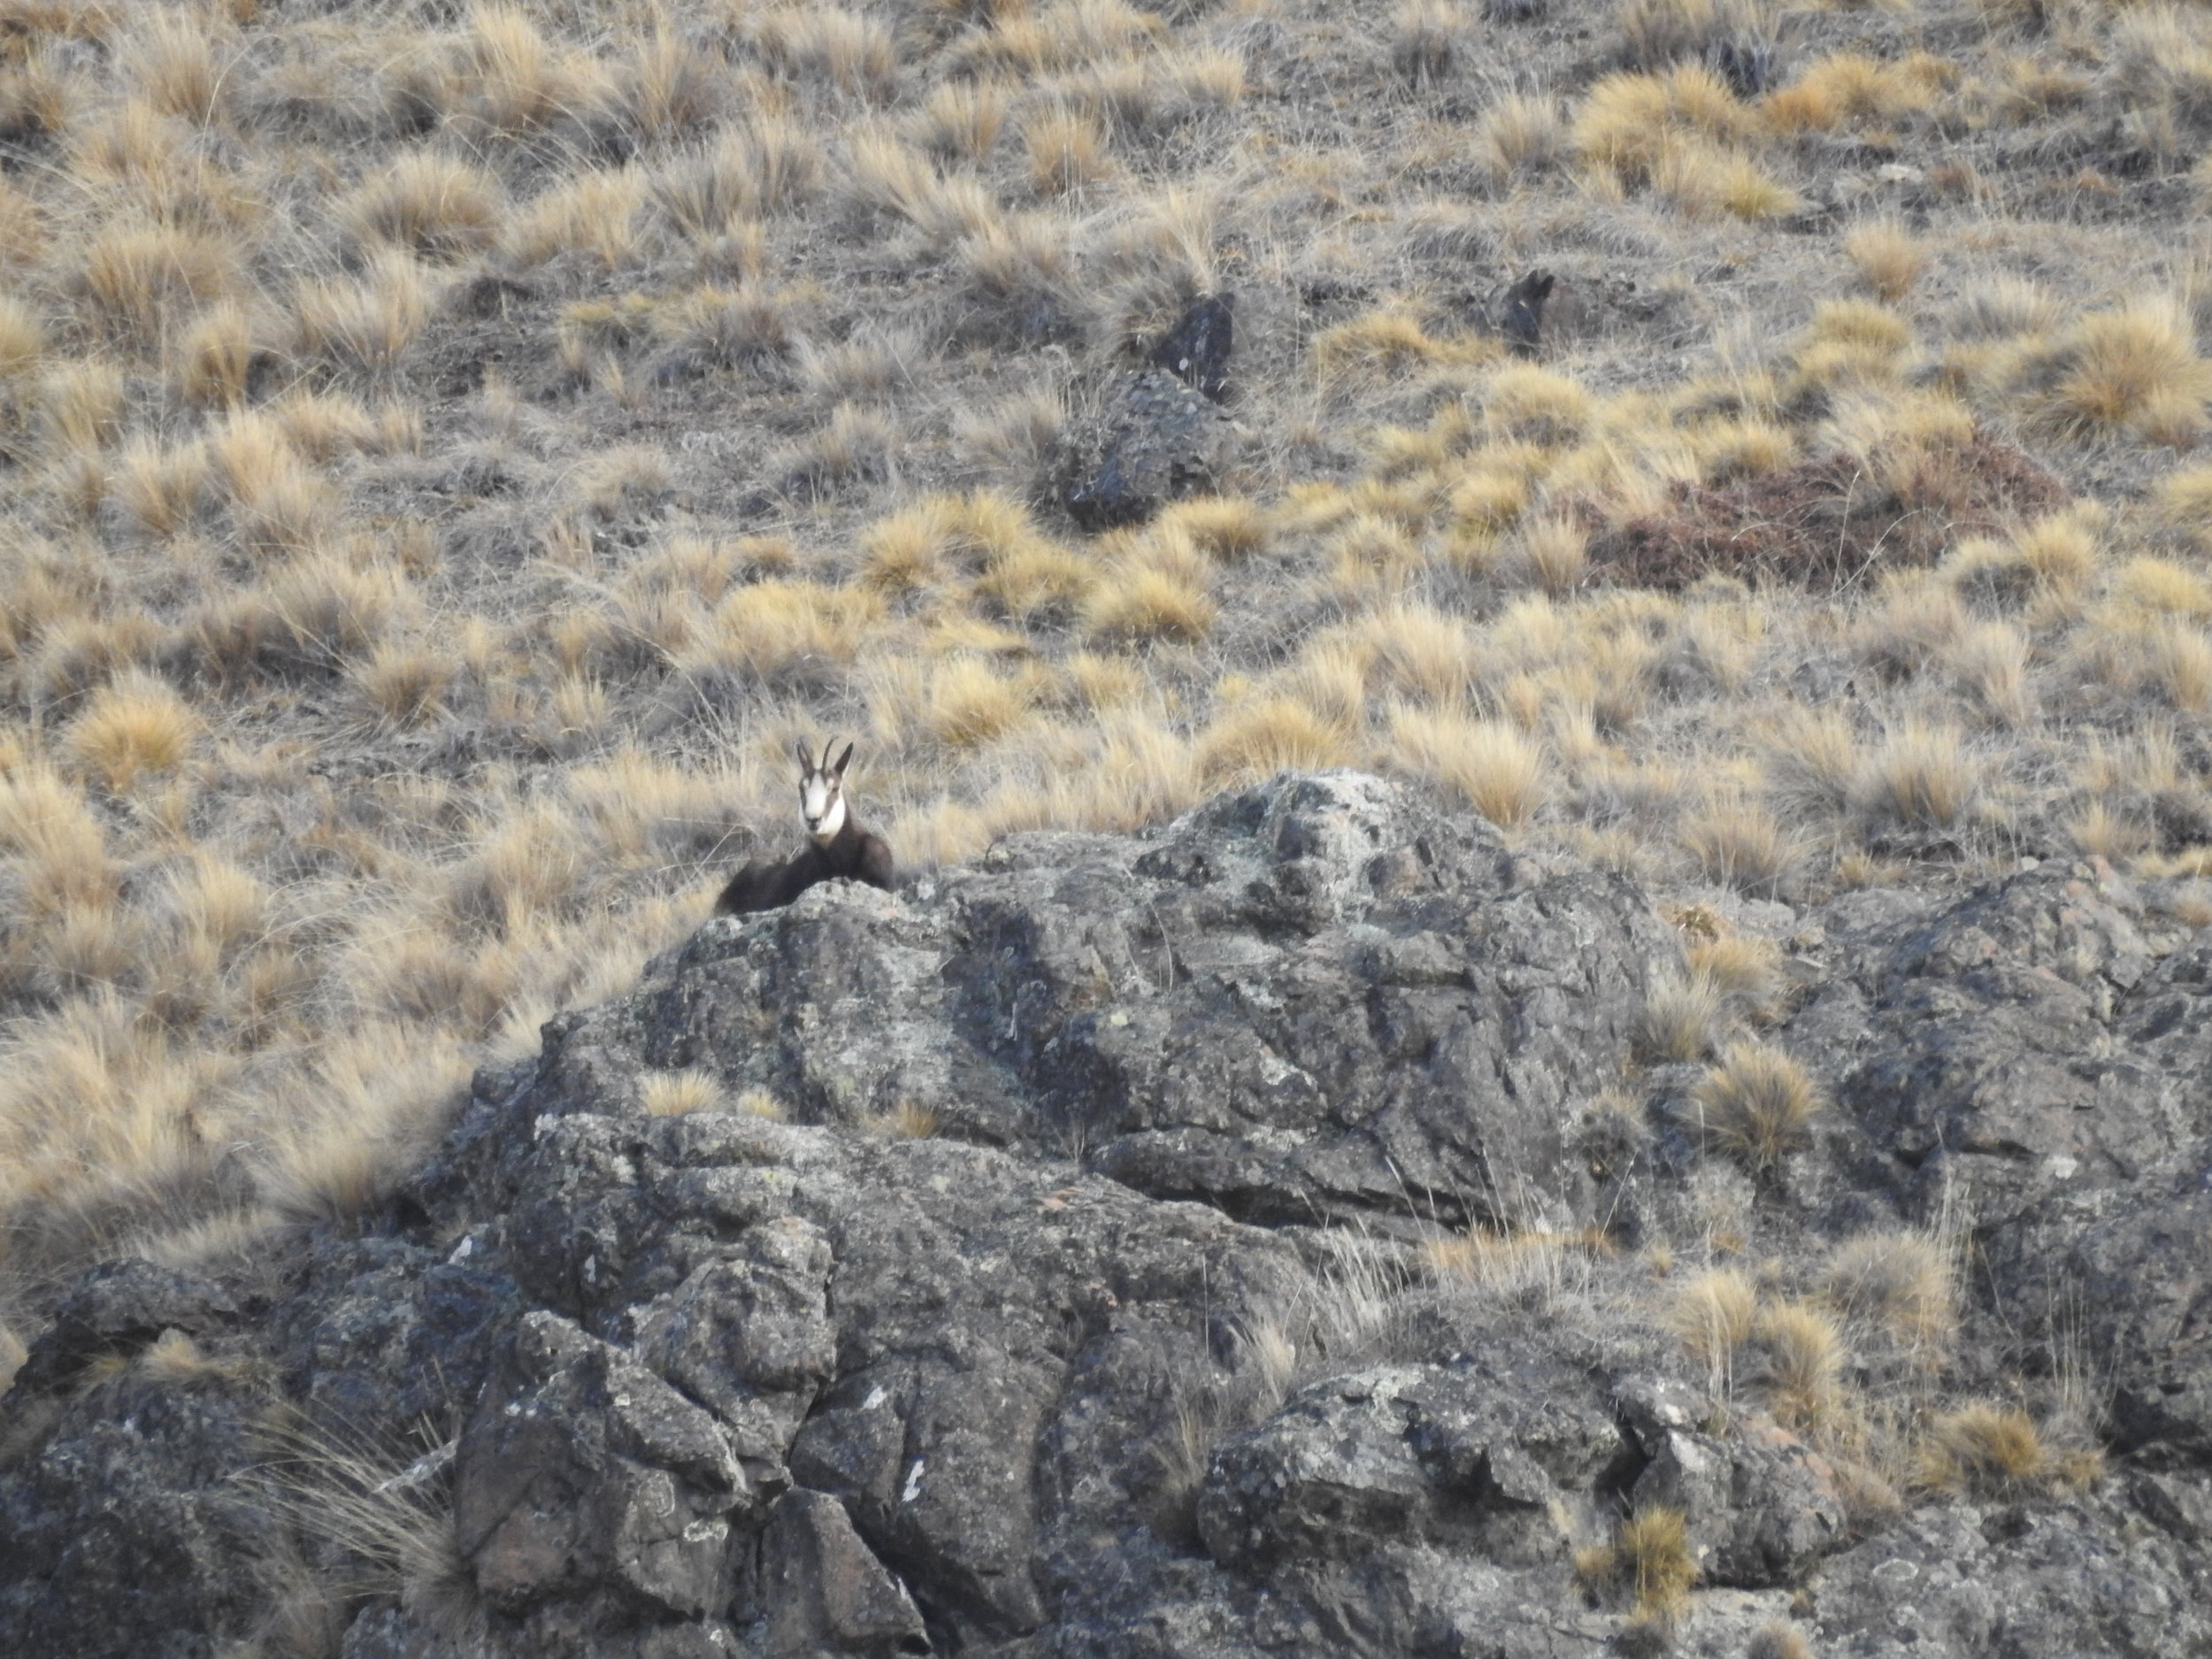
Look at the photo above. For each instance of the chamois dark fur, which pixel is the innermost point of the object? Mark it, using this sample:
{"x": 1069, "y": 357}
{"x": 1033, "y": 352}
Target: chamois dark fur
{"x": 836, "y": 845}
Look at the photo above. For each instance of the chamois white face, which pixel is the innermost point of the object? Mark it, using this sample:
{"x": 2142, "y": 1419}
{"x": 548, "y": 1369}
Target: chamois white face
{"x": 823, "y": 803}
{"x": 822, "y": 791}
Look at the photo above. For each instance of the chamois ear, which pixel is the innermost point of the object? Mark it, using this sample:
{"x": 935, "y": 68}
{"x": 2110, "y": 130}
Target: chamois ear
{"x": 806, "y": 760}
{"x": 843, "y": 760}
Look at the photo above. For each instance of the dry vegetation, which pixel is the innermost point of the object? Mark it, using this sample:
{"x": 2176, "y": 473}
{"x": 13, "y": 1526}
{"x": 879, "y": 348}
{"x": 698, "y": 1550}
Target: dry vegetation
{"x": 453, "y": 450}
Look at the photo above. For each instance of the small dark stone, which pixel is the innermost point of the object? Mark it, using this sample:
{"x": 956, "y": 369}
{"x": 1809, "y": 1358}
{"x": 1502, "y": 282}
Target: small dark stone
{"x": 1748, "y": 66}
{"x": 1197, "y": 350}
{"x": 1522, "y": 322}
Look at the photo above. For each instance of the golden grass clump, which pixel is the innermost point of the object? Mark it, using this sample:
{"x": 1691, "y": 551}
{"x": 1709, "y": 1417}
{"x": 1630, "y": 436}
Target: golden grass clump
{"x": 1229, "y": 528}
{"x": 1800, "y": 1354}
{"x": 1066, "y": 150}
{"x": 1156, "y": 595}
{"x": 1746, "y": 970}
{"x": 1551, "y": 553}
{"x": 848, "y": 51}
{"x": 677, "y": 1093}
{"x": 363, "y": 325}
{"x": 1921, "y": 776}
{"x": 1523, "y": 404}
{"x": 1756, "y": 1104}
{"x": 45, "y": 822}
{"x": 968, "y": 704}
{"x": 1984, "y": 1450}
{"x": 137, "y": 276}
{"x": 1683, "y": 1019}
{"x": 404, "y": 683}
{"x": 1704, "y": 180}
{"x": 2134, "y": 369}
{"x": 1493, "y": 766}
{"x": 1740, "y": 844}
{"x": 1649, "y": 1564}
{"x": 1521, "y": 132}
{"x": 961, "y": 119}
{"x": 1628, "y": 122}
{"x": 1896, "y": 1284}
{"x": 22, "y": 338}
{"x": 777, "y": 630}
{"x": 134, "y": 726}
{"x": 908, "y": 1120}
{"x": 503, "y": 78}
{"x": 1888, "y": 259}
{"x": 1256, "y": 737}
{"x": 1390, "y": 342}
{"x": 382, "y": 1096}
{"x": 1713, "y": 1313}
{"x": 437, "y": 207}
{"x": 1845, "y": 88}
{"x": 215, "y": 356}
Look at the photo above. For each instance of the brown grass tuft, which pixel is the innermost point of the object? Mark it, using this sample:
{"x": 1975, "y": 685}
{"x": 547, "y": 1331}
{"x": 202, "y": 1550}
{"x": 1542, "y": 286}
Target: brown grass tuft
{"x": 1649, "y": 1564}
{"x": 1495, "y": 767}
{"x": 676, "y": 1093}
{"x": 134, "y": 726}
{"x": 1757, "y": 1104}
{"x": 434, "y": 206}
{"x": 1896, "y": 1284}
{"x": 1799, "y": 1354}
{"x": 1684, "y": 1017}
{"x": 1984, "y": 1450}
{"x": 1888, "y": 259}
{"x": 1920, "y": 777}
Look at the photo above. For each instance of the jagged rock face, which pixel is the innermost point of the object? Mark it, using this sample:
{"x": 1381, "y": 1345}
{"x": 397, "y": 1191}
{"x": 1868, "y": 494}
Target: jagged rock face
{"x": 1151, "y": 440}
{"x": 1319, "y": 999}
{"x": 1083, "y": 1374}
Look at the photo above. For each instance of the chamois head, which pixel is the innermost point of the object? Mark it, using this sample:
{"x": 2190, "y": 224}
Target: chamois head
{"x": 822, "y": 791}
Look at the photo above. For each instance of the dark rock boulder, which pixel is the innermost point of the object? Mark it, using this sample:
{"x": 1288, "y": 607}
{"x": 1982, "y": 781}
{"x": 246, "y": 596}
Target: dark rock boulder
{"x": 1197, "y": 350}
{"x": 1151, "y": 440}
{"x": 825, "y": 1592}
{"x": 2030, "y": 1042}
{"x": 2142, "y": 1282}
{"x": 117, "y": 1310}
{"x": 1958, "y": 1581}
{"x": 1317, "y": 996}
{"x": 138, "y": 1525}
{"x": 583, "y": 1470}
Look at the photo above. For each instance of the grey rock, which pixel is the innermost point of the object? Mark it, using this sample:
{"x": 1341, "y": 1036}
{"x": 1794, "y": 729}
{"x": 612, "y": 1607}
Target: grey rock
{"x": 1763, "y": 1507}
{"x": 825, "y": 1592}
{"x": 2144, "y": 1280}
{"x": 2029, "y": 1043}
{"x": 1317, "y": 996}
{"x": 1479, "y": 1459}
{"x": 117, "y": 1310}
{"x": 1152, "y": 439}
{"x": 1955, "y": 1581}
{"x": 583, "y": 1469}
{"x": 137, "y": 1526}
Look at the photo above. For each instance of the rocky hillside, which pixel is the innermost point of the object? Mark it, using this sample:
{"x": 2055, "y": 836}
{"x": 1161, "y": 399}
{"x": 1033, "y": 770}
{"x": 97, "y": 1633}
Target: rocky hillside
{"x": 1312, "y": 1228}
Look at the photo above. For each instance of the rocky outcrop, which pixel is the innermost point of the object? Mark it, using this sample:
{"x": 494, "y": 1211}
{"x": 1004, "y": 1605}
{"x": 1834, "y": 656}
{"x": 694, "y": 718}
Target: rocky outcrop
{"x": 1148, "y": 1349}
{"x": 1151, "y": 439}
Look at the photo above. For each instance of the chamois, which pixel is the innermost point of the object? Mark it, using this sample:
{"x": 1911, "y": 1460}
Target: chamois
{"x": 836, "y": 845}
